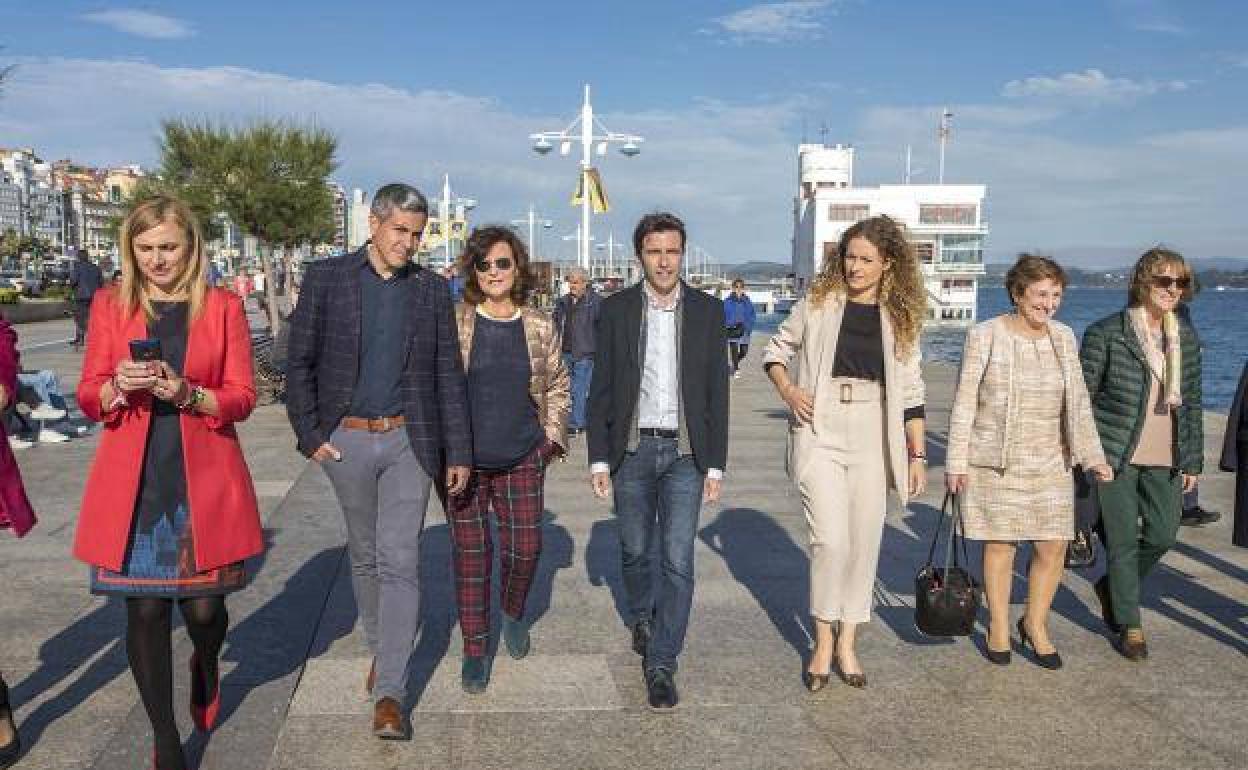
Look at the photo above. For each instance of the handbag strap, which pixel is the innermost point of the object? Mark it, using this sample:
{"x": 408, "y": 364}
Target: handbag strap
{"x": 940, "y": 525}
{"x": 951, "y": 508}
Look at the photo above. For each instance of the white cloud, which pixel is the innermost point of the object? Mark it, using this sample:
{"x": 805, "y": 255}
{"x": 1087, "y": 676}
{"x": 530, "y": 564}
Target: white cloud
{"x": 142, "y": 23}
{"x": 1091, "y": 86}
{"x": 726, "y": 168}
{"x": 1151, "y": 16}
{"x": 1047, "y": 191}
{"x": 1235, "y": 59}
{"x": 773, "y": 22}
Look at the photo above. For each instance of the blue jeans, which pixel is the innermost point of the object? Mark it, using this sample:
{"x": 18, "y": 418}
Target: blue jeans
{"x": 46, "y": 385}
{"x": 656, "y": 485}
{"x": 581, "y": 370}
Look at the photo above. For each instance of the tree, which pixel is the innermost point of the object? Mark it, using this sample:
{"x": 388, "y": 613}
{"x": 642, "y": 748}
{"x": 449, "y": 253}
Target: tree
{"x": 269, "y": 178}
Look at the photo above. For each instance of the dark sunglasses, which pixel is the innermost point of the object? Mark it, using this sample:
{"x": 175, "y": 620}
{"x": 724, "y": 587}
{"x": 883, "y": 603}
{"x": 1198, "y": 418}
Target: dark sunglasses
{"x": 483, "y": 265}
{"x": 1166, "y": 282}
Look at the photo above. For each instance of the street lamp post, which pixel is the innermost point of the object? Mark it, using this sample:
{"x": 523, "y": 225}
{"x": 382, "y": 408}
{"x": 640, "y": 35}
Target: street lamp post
{"x": 447, "y": 205}
{"x": 533, "y": 221}
{"x": 582, "y": 130}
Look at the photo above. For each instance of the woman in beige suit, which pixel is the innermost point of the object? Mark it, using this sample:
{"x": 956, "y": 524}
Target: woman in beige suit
{"x": 518, "y": 394}
{"x": 1021, "y": 419}
{"x": 846, "y": 361}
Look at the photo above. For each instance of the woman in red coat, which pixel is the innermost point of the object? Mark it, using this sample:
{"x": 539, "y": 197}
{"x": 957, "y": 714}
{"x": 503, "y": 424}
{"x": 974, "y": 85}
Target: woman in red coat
{"x": 15, "y": 514}
{"x": 169, "y": 511}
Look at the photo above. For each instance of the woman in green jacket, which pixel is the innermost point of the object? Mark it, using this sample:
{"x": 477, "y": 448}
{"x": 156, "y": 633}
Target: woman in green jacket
{"x": 1142, "y": 368}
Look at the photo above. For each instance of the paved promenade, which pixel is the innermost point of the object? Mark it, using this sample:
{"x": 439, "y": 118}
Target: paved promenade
{"x": 295, "y": 666}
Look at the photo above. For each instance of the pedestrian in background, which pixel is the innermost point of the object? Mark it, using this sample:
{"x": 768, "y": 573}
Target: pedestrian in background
{"x": 85, "y": 279}
{"x": 739, "y": 323}
{"x": 376, "y": 394}
{"x": 15, "y": 514}
{"x": 857, "y": 400}
{"x": 518, "y": 398}
{"x": 1142, "y": 367}
{"x": 658, "y": 438}
{"x": 576, "y": 319}
{"x": 169, "y": 511}
{"x": 1020, "y": 420}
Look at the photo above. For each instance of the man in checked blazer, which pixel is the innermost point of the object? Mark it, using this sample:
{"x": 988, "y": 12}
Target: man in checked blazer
{"x": 376, "y": 394}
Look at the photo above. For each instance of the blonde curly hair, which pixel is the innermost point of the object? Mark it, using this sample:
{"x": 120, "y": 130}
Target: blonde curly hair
{"x": 901, "y": 287}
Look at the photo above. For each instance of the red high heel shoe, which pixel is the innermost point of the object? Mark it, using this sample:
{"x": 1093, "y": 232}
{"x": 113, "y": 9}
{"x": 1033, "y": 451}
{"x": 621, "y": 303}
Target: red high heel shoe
{"x": 204, "y": 715}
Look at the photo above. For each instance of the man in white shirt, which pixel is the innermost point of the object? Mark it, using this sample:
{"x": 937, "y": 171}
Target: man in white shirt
{"x": 658, "y": 438}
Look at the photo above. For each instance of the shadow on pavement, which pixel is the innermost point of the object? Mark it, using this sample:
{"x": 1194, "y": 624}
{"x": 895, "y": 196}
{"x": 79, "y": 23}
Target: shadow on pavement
{"x": 602, "y": 563}
{"x": 762, "y": 556}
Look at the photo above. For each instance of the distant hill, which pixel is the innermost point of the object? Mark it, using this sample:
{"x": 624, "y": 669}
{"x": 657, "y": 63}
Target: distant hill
{"x": 757, "y": 270}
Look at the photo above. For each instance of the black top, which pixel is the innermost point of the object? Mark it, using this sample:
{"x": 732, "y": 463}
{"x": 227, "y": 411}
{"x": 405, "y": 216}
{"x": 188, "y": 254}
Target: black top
{"x": 860, "y": 349}
{"x": 162, "y": 485}
{"x": 505, "y": 426}
{"x": 382, "y": 344}
{"x": 860, "y": 346}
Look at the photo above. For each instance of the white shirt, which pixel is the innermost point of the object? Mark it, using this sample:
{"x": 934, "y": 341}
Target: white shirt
{"x": 659, "y": 403}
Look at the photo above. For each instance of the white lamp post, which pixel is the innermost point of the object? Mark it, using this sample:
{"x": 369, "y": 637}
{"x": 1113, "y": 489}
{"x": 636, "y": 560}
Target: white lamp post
{"x": 582, "y": 130}
{"x": 447, "y": 205}
{"x": 533, "y": 221}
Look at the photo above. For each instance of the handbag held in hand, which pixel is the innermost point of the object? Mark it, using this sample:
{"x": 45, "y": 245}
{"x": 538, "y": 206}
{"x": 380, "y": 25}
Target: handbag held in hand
{"x": 946, "y": 598}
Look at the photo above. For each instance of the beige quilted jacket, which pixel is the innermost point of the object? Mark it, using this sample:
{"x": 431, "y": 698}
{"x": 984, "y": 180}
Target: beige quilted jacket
{"x": 548, "y": 380}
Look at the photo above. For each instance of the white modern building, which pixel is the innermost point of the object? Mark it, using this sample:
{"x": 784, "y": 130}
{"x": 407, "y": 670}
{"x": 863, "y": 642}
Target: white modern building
{"x": 357, "y": 220}
{"x": 945, "y": 222}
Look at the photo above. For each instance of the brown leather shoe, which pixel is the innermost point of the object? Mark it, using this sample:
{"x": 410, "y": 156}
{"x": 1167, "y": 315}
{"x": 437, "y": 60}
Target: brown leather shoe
{"x": 372, "y": 677}
{"x": 1132, "y": 645}
{"x": 388, "y": 723}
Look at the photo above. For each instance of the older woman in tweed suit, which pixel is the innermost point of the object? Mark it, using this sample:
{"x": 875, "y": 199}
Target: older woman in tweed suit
{"x": 1021, "y": 418}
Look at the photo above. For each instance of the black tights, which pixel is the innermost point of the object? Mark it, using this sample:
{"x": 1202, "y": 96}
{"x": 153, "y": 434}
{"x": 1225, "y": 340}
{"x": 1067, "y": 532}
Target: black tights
{"x": 150, "y": 650}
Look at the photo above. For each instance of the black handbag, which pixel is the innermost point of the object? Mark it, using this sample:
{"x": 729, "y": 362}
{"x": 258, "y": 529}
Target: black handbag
{"x": 1081, "y": 551}
{"x": 734, "y": 331}
{"x": 946, "y": 599}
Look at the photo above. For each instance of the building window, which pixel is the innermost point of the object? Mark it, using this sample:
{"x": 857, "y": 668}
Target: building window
{"x": 961, "y": 249}
{"x": 947, "y": 214}
{"x": 848, "y": 212}
{"x": 925, "y": 251}
{"x": 830, "y": 249}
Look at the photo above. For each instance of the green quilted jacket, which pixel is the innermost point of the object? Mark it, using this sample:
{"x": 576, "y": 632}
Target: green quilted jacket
{"x": 1117, "y": 375}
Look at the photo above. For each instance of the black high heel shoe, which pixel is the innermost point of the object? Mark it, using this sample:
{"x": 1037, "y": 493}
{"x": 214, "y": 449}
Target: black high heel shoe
{"x": 13, "y": 749}
{"x": 1052, "y": 661}
{"x": 999, "y": 657}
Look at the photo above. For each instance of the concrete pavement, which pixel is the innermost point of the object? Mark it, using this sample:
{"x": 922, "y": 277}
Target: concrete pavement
{"x": 295, "y": 664}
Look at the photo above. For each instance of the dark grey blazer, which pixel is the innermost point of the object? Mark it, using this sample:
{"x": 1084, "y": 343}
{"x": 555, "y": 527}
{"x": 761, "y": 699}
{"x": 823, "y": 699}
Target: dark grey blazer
{"x": 704, "y": 377}
{"x": 324, "y": 359}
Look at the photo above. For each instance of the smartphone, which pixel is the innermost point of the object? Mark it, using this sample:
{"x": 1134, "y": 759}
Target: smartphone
{"x": 145, "y": 350}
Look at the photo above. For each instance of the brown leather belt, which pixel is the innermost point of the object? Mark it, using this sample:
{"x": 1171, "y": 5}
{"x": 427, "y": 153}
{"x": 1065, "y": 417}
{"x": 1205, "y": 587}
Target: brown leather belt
{"x": 374, "y": 424}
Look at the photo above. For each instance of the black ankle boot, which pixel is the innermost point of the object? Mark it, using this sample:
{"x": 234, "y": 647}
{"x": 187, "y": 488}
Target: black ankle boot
{"x": 10, "y": 751}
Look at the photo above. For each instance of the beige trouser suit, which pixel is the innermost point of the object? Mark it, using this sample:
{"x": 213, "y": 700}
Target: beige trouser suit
{"x": 845, "y": 460}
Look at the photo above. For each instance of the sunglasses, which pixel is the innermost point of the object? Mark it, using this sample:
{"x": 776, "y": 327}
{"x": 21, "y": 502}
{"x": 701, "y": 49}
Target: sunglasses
{"x": 484, "y": 265}
{"x": 1167, "y": 282}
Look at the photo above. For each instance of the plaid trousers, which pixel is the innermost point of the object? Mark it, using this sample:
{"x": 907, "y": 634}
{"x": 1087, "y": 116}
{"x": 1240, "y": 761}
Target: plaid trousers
{"x": 515, "y": 494}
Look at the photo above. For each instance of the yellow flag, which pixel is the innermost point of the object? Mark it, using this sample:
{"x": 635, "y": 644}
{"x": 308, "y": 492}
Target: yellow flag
{"x": 597, "y": 193}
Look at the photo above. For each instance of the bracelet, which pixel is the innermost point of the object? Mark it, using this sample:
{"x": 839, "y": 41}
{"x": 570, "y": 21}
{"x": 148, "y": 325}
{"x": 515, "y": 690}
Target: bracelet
{"x": 921, "y": 457}
{"x": 193, "y": 399}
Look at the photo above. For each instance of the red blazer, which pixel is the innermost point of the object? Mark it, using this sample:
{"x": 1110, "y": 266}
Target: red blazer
{"x": 224, "y": 517}
{"x": 15, "y": 510}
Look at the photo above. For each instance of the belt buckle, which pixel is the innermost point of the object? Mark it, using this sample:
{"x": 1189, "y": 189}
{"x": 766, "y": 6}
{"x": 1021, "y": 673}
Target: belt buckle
{"x": 847, "y": 392}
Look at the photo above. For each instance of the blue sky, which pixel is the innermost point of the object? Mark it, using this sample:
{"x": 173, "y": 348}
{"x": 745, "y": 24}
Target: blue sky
{"x": 1100, "y": 126}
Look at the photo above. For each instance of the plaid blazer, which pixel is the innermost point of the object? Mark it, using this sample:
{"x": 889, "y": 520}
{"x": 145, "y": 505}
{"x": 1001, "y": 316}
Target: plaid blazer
{"x": 324, "y": 360}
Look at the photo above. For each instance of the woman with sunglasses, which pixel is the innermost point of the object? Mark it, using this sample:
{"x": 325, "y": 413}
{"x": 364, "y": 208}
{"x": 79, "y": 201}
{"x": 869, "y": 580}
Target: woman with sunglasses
{"x": 1142, "y": 367}
{"x": 519, "y": 399}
